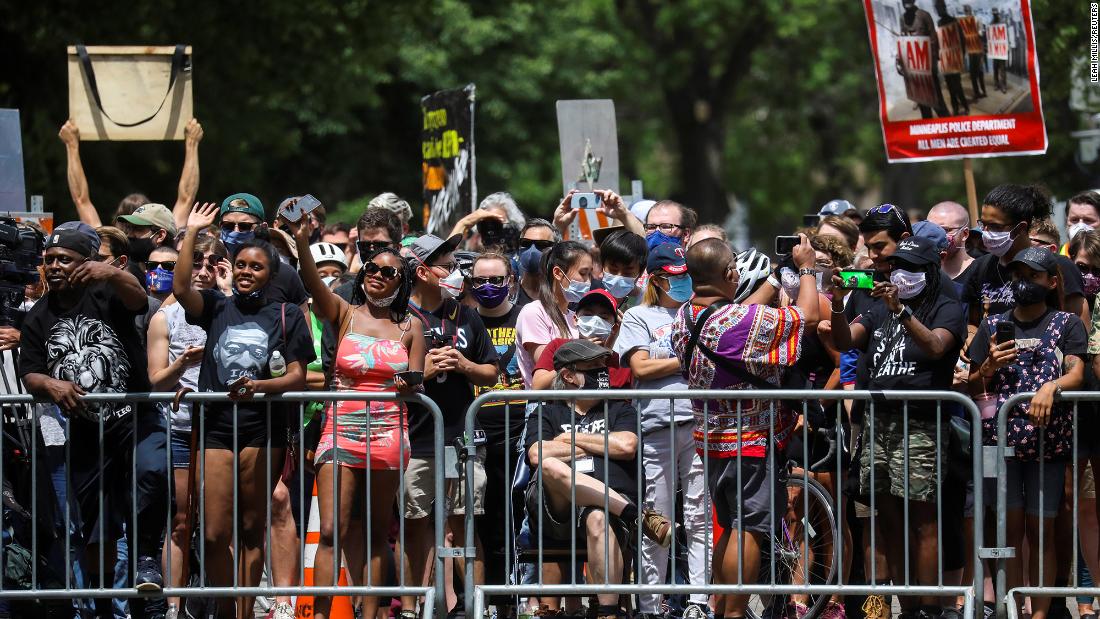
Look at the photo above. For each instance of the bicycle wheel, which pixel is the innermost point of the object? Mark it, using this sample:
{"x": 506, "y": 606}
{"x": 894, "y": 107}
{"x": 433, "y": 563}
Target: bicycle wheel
{"x": 795, "y": 561}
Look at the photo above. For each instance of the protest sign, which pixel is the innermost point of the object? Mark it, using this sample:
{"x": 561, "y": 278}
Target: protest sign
{"x": 13, "y": 191}
{"x": 589, "y": 141}
{"x": 998, "y": 41}
{"x": 919, "y": 58}
{"x": 130, "y": 92}
{"x": 447, "y": 146}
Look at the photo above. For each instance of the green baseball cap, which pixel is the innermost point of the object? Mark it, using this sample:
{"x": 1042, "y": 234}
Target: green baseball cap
{"x": 252, "y": 205}
{"x": 155, "y": 215}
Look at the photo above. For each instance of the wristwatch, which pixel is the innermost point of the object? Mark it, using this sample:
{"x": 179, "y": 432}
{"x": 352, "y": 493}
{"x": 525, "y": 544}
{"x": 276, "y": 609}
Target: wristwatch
{"x": 806, "y": 271}
{"x": 905, "y": 313}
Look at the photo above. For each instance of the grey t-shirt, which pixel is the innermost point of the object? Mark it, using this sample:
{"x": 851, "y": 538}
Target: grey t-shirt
{"x": 649, "y": 328}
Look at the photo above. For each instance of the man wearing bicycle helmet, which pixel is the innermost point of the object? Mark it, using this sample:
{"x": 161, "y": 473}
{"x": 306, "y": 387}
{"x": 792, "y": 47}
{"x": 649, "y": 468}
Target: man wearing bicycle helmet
{"x": 331, "y": 261}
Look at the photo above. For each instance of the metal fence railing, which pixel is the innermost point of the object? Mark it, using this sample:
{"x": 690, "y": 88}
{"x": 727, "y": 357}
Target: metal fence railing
{"x": 1041, "y": 463}
{"x": 53, "y": 548}
{"x": 807, "y": 560}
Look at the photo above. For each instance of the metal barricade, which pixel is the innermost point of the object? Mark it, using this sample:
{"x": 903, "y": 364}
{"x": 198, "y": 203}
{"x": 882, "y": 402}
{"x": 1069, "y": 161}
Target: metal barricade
{"x": 796, "y": 534}
{"x": 30, "y": 426}
{"x": 1005, "y": 594}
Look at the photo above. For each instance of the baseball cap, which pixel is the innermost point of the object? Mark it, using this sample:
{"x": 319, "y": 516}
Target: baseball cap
{"x": 598, "y": 296}
{"x": 578, "y": 351}
{"x": 640, "y": 209}
{"x": 252, "y": 205}
{"x": 155, "y": 215}
{"x": 75, "y": 236}
{"x": 836, "y": 207}
{"x": 667, "y": 257}
{"x": 932, "y": 232}
{"x": 1037, "y": 258}
{"x": 916, "y": 250}
{"x": 430, "y": 245}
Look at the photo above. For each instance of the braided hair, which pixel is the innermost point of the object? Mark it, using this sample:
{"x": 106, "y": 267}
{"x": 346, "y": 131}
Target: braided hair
{"x": 399, "y": 308}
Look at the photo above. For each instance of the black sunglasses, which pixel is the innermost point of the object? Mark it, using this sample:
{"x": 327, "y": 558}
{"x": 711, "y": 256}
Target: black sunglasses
{"x": 496, "y": 280}
{"x": 210, "y": 261}
{"x": 890, "y": 208}
{"x": 242, "y": 226}
{"x": 167, "y": 265}
{"x": 387, "y": 272}
{"x": 542, "y": 245}
{"x": 367, "y": 248}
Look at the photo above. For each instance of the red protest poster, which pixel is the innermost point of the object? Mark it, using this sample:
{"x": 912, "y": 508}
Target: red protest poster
{"x": 938, "y": 98}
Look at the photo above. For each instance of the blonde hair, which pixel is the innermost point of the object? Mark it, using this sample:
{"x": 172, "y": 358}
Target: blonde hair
{"x": 841, "y": 254}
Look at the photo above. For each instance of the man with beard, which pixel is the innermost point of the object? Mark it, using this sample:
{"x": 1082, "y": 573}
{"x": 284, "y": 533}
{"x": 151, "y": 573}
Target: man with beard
{"x": 80, "y": 338}
{"x": 917, "y": 22}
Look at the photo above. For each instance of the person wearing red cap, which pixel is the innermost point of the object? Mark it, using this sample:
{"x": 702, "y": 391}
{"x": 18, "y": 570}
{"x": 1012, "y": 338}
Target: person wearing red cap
{"x": 597, "y": 322}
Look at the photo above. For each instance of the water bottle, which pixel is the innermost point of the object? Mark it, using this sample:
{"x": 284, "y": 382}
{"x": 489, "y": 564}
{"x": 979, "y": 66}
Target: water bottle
{"x": 277, "y": 365}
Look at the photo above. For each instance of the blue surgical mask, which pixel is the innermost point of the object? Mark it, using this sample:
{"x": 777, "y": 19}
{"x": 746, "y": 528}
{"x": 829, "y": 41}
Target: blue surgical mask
{"x": 679, "y": 288}
{"x": 529, "y": 259}
{"x": 575, "y": 290}
{"x": 657, "y": 237}
{"x": 619, "y": 285}
{"x": 236, "y": 238}
{"x": 159, "y": 280}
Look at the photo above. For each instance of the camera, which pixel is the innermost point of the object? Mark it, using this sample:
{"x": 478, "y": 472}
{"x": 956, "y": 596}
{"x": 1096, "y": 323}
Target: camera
{"x": 20, "y": 255}
{"x": 498, "y": 235}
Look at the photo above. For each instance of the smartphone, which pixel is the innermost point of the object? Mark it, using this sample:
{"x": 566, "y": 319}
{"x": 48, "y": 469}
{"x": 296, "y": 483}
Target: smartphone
{"x": 237, "y": 384}
{"x": 811, "y": 220}
{"x": 411, "y": 377}
{"x": 584, "y": 200}
{"x": 857, "y": 279}
{"x": 784, "y": 245}
{"x": 302, "y": 206}
{"x": 1006, "y": 332}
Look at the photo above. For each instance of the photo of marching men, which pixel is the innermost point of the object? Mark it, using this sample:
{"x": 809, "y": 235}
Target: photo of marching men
{"x": 943, "y": 58}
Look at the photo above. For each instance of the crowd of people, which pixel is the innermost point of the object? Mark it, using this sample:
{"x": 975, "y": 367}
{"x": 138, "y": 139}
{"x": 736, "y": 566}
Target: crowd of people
{"x": 233, "y": 296}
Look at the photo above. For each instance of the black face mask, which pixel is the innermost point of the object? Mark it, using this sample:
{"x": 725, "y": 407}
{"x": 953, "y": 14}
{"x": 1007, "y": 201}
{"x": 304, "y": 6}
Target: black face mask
{"x": 1028, "y": 292}
{"x": 596, "y": 379}
{"x": 141, "y": 248}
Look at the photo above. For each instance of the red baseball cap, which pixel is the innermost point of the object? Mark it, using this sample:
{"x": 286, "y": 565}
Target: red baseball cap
{"x": 597, "y": 296}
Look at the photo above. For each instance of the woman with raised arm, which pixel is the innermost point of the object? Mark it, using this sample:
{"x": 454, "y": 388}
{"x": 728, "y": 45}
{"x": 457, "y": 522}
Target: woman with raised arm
{"x": 253, "y": 346}
{"x": 380, "y": 349}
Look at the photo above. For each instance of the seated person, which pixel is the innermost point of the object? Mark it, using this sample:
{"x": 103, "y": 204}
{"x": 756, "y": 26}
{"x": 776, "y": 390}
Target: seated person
{"x": 573, "y": 434}
{"x": 597, "y": 322}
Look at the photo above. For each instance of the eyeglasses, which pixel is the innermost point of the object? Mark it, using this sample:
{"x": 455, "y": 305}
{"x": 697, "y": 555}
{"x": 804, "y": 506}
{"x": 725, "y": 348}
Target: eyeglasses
{"x": 983, "y": 226}
{"x": 387, "y": 272}
{"x": 542, "y": 245}
{"x": 241, "y": 226}
{"x": 496, "y": 280}
{"x": 450, "y": 266}
{"x": 167, "y": 265}
{"x": 890, "y": 208}
{"x": 367, "y": 248}
{"x": 666, "y": 228}
{"x": 210, "y": 262}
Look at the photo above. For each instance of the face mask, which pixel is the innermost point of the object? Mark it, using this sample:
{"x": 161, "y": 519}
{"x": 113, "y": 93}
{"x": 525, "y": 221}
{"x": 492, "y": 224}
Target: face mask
{"x": 679, "y": 288}
{"x": 997, "y": 243}
{"x": 595, "y": 379}
{"x": 1078, "y": 228}
{"x": 327, "y": 281}
{"x": 575, "y": 290}
{"x": 383, "y": 302}
{"x": 236, "y": 238}
{"x": 1090, "y": 283}
{"x": 490, "y": 295}
{"x": 619, "y": 285}
{"x": 909, "y": 284}
{"x": 254, "y": 297}
{"x": 1028, "y": 293}
{"x": 657, "y": 237}
{"x": 159, "y": 280}
{"x": 593, "y": 326}
{"x": 451, "y": 285}
{"x": 529, "y": 259}
{"x": 953, "y": 245}
{"x": 141, "y": 248}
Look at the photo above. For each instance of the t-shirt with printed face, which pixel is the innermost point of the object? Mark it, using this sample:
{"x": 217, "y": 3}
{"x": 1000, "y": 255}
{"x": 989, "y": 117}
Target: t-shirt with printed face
{"x": 990, "y": 282}
{"x": 491, "y": 416}
{"x": 894, "y": 361}
{"x": 93, "y": 344}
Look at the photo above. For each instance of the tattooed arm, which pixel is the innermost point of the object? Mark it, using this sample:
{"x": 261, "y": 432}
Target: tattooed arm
{"x": 1043, "y": 400}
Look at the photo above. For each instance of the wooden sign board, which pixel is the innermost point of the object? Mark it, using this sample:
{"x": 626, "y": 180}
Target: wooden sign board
{"x": 134, "y": 83}
{"x": 589, "y": 141}
{"x": 13, "y": 191}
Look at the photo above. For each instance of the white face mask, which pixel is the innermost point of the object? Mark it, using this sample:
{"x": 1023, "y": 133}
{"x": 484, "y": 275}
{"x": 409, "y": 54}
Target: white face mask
{"x": 593, "y": 326}
{"x": 1078, "y": 228}
{"x": 451, "y": 285}
{"x": 997, "y": 243}
{"x": 909, "y": 284}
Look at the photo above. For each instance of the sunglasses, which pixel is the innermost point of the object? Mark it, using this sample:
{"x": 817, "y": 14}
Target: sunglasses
{"x": 367, "y": 248}
{"x": 890, "y": 208}
{"x": 167, "y": 265}
{"x": 542, "y": 245}
{"x": 200, "y": 261}
{"x": 387, "y": 272}
{"x": 240, "y": 226}
{"x": 496, "y": 280}
{"x": 341, "y": 246}
{"x": 254, "y": 350}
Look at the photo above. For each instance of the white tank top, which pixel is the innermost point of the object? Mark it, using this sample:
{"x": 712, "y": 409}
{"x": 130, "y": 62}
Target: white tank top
{"x": 181, "y": 336}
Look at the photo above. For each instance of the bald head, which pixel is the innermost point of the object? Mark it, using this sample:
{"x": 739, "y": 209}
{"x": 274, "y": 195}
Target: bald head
{"x": 708, "y": 262}
{"x": 949, "y": 215}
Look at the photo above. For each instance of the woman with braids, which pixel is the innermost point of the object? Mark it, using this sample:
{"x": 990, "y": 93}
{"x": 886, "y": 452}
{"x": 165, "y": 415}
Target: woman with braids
{"x": 1035, "y": 346}
{"x": 378, "y": 340}
{"x": 910, "y": 337}
{"x": 565, "y": 276}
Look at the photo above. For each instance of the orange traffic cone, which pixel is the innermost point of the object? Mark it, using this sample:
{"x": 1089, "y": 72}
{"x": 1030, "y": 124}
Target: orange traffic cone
{"x": 341, "y": 606}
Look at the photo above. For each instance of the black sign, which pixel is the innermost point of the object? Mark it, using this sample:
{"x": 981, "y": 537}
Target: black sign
{"x": 447, "y": 144}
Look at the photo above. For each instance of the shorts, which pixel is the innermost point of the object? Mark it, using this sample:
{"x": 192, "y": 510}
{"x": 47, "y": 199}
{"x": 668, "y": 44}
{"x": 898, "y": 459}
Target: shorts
{"x": 559, "y": 526}
{"x": 420, "y": 488}
{"x": 181, "y": 449}
{"x": 1023, "y": 480}
{"x": 760, "y": 489}
{"x": 925, "y": 470}
{"x": 252, "y": 427}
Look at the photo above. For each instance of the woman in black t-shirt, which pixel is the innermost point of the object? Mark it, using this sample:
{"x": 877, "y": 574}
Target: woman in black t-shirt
{"x": 246, "y": 336}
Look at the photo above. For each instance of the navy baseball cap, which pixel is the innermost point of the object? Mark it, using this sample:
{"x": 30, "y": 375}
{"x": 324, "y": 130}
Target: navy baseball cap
{"x": 916, "y": 250}
{"x": 668, "y": 257}
{"x": 932, "y": 232}
{"x": 76, "y": 236}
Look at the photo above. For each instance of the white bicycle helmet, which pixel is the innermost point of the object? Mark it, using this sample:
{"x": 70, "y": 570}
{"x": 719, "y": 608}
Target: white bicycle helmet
{"x": 327, "y": 252}
{"x": 752, "y": 267}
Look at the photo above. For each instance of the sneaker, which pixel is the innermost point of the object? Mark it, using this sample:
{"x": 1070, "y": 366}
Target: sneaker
{"x": 148, "y": 579}
{"x": 951, "y": 613}
{"x": 173, "y": 612}
{"x": 283, "y": 610}
{"x": 695, "y": 610}
{"x": 795, "y": 610}
{"x": 835, "y": 610}
{"x": 657, "y": 527}
{"x": 408, "y": 614}
{"x": 874, "y": 607}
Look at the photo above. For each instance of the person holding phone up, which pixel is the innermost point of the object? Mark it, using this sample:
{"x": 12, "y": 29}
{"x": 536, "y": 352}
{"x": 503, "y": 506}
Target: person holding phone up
{"x": 380, "y": 349}
{"x": 1035, "y": 346}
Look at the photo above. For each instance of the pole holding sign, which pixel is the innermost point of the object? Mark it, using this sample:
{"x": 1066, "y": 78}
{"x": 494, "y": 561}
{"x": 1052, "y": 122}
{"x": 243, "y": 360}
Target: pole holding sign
{"x": 920, "y": 53}
{"x": 447, "y": 146}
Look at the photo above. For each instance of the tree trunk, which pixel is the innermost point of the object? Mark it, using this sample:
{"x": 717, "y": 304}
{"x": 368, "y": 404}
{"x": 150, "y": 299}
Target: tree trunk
{"x": 701, "y": 135}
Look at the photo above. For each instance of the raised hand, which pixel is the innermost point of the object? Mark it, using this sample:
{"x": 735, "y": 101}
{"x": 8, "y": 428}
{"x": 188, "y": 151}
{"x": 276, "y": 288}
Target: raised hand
{"x": 202, "y": 216}
{"x": 564, "y": 214}
{"x": 192, "y": 133}
{"x": 69, "y": 134}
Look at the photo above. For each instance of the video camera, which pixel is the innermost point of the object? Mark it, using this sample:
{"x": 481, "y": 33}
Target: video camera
{"x": 20, "y": 255}
{"x": 499, "y": 236}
